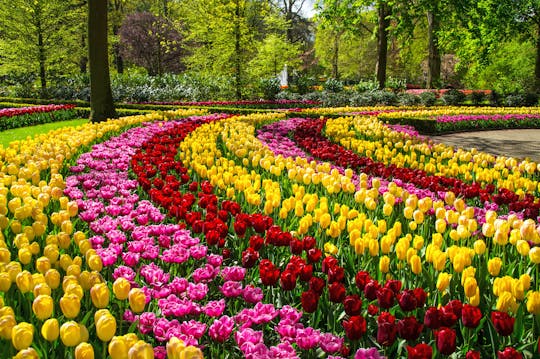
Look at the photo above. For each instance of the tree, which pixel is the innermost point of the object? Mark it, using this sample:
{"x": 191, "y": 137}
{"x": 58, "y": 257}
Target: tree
{"x": 344, "y": 15}
{"x": 223, "y": 35}
{"x": 101, "y": 101}
{"x": 39, "y": 37}
{"x": 152, "y": 42}
{"x": 273, "y": 54}
{"x": 298, "y": 27}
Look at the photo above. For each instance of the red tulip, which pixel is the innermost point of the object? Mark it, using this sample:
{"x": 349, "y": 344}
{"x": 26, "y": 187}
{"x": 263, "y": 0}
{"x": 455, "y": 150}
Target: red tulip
{"x": 419, "y": 351}
{"x": 446, "y": 340}
{"x": 409, "y": 328}
{"x": 310, "y": 300}
{"x": 509, "y": 353}
{"x": 503, "y": 323}
{"x": 470, "y": 316}
{"x": 336, "y": 292}
{"x": 354, "y": 327}
{"x": 352, "y": 304}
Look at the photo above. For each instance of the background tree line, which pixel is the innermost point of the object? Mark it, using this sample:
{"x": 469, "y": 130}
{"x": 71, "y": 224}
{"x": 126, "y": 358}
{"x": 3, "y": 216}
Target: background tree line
{"x": 240, "y": 46}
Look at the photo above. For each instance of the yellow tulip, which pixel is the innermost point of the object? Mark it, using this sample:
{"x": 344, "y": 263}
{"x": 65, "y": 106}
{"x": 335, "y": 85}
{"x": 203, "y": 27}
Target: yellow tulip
{"x": 22, "y": 335}
{"x": 470, "y": 286}
{"x": 70, "y": 334}
{"x": 85, "y": 335}
{"x": 479, "y": 247}
{"x": 50, "y": 330}
{"x": 416, "y": 264}
{"x": 28, "y": 353}
{"x": 52, "y": 278}
{"x": 5, "y": 282}
{"x": 7, "y": 322}
{"x": 506, "y": 302}
{"x": 533, "y": 302}
{"x": 384, "y": 264}
{"x": 137, "y": 300}
{"x": 494, "y": 266}
{"x": 121, "y": 288}
{"x": 191, "y": 352}
{"x": 84, "y": 351}
{"x": 100, "y": 295}
{"x": 443, "y": 281}
{"x": 24, "y": 281}
{"x": 525, "y": 280}
{"x": 118, "y": 348}
{"x": 42, "y": 306}
{"x": 534, "y": 255}
{"x": 95, "y": 263}
{"x": 141, "y": 350}
{"x": 43, "y": 264}
{"x": 106, "y": 327}
{"x": 70, "y": 305}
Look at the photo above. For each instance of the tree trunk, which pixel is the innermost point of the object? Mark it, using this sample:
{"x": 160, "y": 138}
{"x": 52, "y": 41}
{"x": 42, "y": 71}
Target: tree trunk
{"x": 101, "y": 101}
{"x": 237, "y": 52}
{"x": 118, "y": 59}
{"x": 83, "y": 61}
{"x": 537, "y": 64}
{"x": 434, "y": 57}
{"x": 41, "y": 57}
{"x": 382, "y": 42}
{"x": 335, "y": 58}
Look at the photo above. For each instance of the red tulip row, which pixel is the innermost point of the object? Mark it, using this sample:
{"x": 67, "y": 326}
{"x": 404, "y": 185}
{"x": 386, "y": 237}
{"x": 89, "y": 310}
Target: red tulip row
{"x": 17, "y": 111}
{"x": 309, "y": 136}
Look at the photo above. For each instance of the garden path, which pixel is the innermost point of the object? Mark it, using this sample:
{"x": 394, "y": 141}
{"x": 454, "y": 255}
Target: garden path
{"x": 521, "y": 143}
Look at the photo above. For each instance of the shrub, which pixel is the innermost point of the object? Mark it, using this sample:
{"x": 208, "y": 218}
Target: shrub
{"x": 407, "y": 99}
{"x": 362, "y": 99}
{"x": 303, "y": 84}
{"x": 270, "y": 87}
{"x": 333, "y": 99}
{"x": 453, "y": 97}
{"x": 333, "y": 85}
{"x": 385, "y": 98}
{"x": 396, "y": 84}
{"x": 477, "y": 97}
{"x": 428, "y": 98}
{"x": 368, "y": 85}
{"x": 521, "y": 99}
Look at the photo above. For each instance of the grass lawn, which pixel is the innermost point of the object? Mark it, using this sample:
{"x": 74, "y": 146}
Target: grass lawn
{"x": 22, "y": 133}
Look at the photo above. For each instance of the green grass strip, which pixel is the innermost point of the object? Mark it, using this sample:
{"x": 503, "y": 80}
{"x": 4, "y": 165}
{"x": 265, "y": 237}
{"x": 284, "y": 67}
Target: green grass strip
{"x": 22, "y": 133}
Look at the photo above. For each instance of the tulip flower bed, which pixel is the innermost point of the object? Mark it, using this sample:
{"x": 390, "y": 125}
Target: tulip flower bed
{"x": 438, "y": 122}
{"x": 27, "y": 116}
{"x": 263, "y": 236}
{"x": 244, "y": 103}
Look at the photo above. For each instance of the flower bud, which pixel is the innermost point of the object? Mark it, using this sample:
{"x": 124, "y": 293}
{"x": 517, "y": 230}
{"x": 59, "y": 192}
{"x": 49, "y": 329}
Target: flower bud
{"x": 28, "y": 353}
{"x": 70, "y": 305}
{"x": 137, "y": 300}
{"x": 121, "y": 288}
{"x": 118, "y": 348}
{"x": 42, "y": 306}
{"x": 70, "y": 334}
{"x": 50, "y": 330}
{"x": 494, "y": 266}
{"x": 106, "y": 327}
{"x": 100, "y": 295}
{"x": 443, "y": 281}
{"x": 24, "y": 281}
{"x": 141, "y": 350}
{"x": 22, "y": 335}
{"x": 84, "y": 351}
{"x": 7, "y": 322}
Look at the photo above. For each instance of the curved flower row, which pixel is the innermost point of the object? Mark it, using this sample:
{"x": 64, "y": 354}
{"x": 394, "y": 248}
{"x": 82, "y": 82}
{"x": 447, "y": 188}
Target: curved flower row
{"x": 481, "y": 174}
{"x": 449, "y": 252}
{"x": 49, "y": 274}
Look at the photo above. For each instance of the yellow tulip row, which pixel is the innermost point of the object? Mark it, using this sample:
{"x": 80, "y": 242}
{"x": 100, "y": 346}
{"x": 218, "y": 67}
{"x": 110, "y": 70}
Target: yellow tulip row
{"x": 366, "y": 230}
{"x": 391, "y": 147}
{"x": 50, "y": 259}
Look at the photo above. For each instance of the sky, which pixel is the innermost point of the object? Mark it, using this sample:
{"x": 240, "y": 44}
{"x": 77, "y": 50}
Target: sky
{"x": 307, "y": 9}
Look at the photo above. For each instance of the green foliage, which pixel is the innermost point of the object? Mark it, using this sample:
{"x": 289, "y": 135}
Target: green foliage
{"x": 453, "y": 97}
{"x": 508, "y": 68}
{"x": 333, "y": 85}
{"x": 40, "y": 31}
{"x": 428, "y": 98}
{"x": 273, "y": 53}
{"x": 270, "y": 88}
{"x": 407, "y": 99}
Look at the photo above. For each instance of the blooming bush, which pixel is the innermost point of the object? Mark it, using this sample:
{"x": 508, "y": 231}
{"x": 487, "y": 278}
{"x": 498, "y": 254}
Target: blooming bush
{"x": 263, "y": 236}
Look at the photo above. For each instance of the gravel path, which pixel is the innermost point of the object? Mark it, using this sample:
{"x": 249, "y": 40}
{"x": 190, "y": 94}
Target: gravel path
{"x": 522, "y": 144}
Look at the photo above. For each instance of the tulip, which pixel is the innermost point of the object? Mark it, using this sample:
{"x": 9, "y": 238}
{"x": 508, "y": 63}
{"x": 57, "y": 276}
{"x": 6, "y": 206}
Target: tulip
{"x": 106, "y": 327}
{"x": 5, "y": 282}
{"x": 100, "y": 295}
{"x": 52, "y": 278}
{"x": 7, "y": 322}
{"x": 95, "y": 263}
{"x": 534, "y": 255}
{"x": 85, "y": 335}
{"x": 22, "y": 335}
{"x": 28, "y": 353}
{"x": 42, "y": 306}
{"x": 141, "y": 350}
{"x": 70, "y": 305}
{"x": 84, "y": 351}
{"x": 416, "y": 264}
{"x": 121, "y": 288}
{"x": 70, "y": 334}
{"x": 443, "y": 281}
{"x": 470, "y": 286}
{"x": 494, "y": 266}
{"x": 50, "y": 330}
{"x": 24, "y": 281}
{"x": 175, "y": 347}
{"x": 137, "y": 300}
{"x": 118, "y": 348}
{"x": 384, "y": 264}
